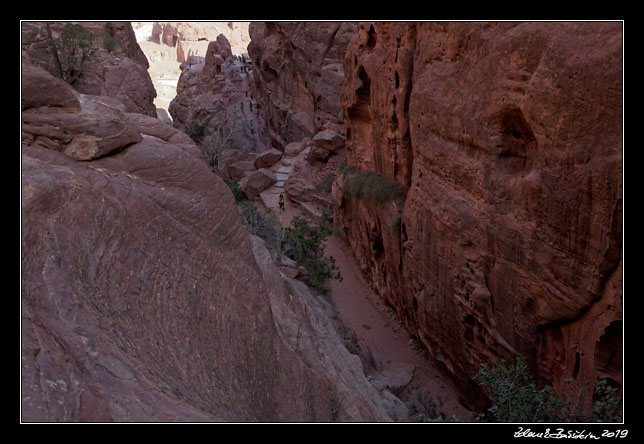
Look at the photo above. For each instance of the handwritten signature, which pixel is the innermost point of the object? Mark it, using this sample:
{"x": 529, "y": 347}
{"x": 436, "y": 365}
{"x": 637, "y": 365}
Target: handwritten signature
{"x": 568, "y": 434}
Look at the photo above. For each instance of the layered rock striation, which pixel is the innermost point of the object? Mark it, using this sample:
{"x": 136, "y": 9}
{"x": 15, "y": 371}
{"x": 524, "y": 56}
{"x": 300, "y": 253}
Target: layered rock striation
{"x": 507, "y": 141}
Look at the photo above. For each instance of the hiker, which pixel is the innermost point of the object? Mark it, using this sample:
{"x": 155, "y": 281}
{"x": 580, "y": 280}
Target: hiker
{"x": 252, "y": 128}
{"x": 282, "y": 201}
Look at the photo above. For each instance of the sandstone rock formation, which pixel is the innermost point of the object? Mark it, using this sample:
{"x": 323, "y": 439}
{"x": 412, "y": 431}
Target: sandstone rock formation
{"x": 298, "y": 74}
{"x": 329, "y": 140}
{"x": 254, "y": 183}
{"x": 299, "y": 190}
{"x": 191, "y": 38}
{"x": 507, "y": 138}
{"x": 63, "y": 120}
{"x": 144, "y": 298}
{"x": 119, "y": 72}
{"x": 267, "y": 158}
{"x": 210, "y": 100}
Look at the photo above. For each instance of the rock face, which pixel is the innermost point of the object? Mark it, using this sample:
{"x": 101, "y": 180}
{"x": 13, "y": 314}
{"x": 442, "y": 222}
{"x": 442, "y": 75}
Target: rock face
{"x": 191, "y": 38}
{"x": 507, "y": 138}
{"x": 119, "y": 73}
{"x": 144, "y": 298}
{"x": 209, "y": 100}
{"x": 298, "y": 74}
{"x": 63, "y": 120}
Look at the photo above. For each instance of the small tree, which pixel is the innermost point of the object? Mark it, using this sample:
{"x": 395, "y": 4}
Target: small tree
{"x": 516, "y": 398}
{"x": 304, "y": 243}
{"x": 73, "y": 46}
{"x": 217, "y": 143}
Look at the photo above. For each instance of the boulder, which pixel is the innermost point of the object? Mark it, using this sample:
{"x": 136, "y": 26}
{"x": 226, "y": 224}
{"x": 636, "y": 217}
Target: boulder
{"x": 238, "y": 169}
{"x": 294, "y": 148}
{"x": 74, "y": 123}
{"x": 329, "y": 140}
{"x": 257, "y": 181}
{"x": 318, "y": 153}
{"x": 228, "y": 157}
{"x": 267, "y": 158}
{"x": 298, "y": 189}
{"x": 130, "y": 82}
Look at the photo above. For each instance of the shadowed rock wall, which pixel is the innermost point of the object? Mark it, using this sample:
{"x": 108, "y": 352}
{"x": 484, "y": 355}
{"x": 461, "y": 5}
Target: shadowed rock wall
{"x": 507, "y": 138}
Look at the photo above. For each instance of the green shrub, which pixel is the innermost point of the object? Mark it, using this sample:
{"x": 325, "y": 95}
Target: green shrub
{"x": 73, "y": 46}
{"x": 265, "y": 226}
{"x": 516, "y": 398}
{"x": 196, "y": 131}
{"x": 109, "y": 43}
{"x": 304, "y": 243}
{"x": 372, "y": 187}
{"x": 238, "y": 193}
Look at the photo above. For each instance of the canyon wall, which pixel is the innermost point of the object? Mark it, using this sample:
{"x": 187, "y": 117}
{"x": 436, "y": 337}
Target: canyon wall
{"x": 298, "y": 73}
{"x": 143, "y": 296}
{"x": 507, "y": 140}
{"x": 191, "y": 38}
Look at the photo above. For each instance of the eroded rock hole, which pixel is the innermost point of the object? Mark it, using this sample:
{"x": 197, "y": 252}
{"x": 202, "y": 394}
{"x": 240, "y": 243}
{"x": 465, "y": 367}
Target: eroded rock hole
{"x": 364, "y": 92}
{"x": 515, "y": 142}
{"x": 372, "y": 37}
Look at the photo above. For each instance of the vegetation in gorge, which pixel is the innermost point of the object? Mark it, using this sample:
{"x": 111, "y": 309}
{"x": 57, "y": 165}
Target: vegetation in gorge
{"x": 73, "y": 46}
{"x": 517, "y": 398}
{"x": 372, "y": 187}
{"x": 304, "y": 243}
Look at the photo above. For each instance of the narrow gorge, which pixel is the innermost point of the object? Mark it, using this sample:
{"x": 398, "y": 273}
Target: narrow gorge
{"x": 471, "y": 173}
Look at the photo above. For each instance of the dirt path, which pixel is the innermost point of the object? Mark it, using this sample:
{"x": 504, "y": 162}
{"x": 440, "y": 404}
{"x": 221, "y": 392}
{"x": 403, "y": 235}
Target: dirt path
{"x": 429, "y": 392}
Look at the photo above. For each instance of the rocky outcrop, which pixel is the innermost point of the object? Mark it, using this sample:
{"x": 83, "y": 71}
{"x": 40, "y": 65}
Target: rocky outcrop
{"x": 64, "y": 120}
{"x": 117, "y": 68}
{"x": 507, "y": 138}
{"x": 192, "y": 38}
{"x": 143, "y": 296}
{"x": 298, "y": 74}
{"x": 210, "y": 101}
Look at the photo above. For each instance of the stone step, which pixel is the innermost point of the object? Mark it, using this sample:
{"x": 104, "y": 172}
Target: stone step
{"x": 284, "y": 169}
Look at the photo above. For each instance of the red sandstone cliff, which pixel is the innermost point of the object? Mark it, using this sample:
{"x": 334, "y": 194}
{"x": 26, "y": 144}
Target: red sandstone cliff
{"x": 297, "y": 67}
{"x": 507, "y": 138}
